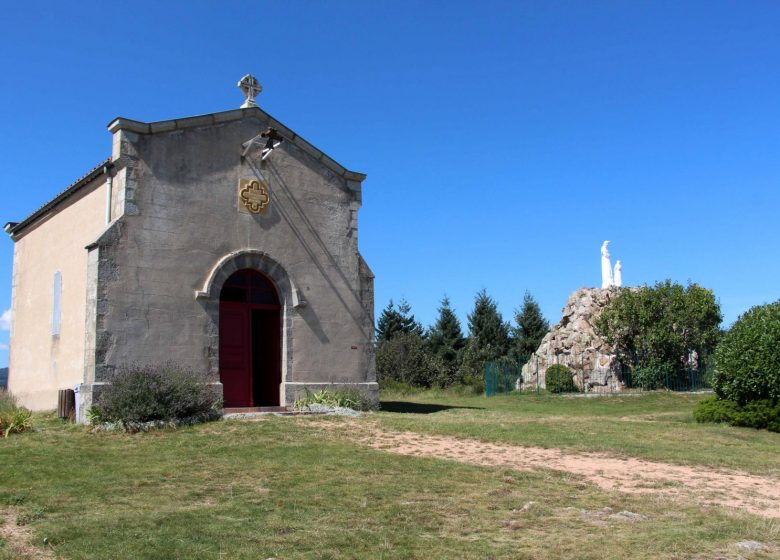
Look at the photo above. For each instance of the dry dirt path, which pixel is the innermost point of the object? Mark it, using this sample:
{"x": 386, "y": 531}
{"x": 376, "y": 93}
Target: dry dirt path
{"x": 18, "y": 538}
{"x": 702, "y": 485}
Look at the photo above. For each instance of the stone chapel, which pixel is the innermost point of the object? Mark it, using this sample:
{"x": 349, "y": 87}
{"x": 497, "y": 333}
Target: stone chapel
{"x": 222, "y": 242}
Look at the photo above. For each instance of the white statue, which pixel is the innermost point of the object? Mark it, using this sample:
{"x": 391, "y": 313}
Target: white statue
{"x": 606, "y": 267}
{"x": 617, "y": 279}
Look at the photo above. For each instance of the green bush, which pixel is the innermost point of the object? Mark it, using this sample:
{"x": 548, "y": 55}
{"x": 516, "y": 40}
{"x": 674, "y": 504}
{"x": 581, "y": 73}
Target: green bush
{"x": 762, "y": 414}
{"x": 343, "y": 398}
{"x": 559, "y": 379}
{"x": 392, "y": 386}
{"x": 162, "y": 392}
{"x": 659, "y": 326}
{"x": 713, "y": 409}
{"x": 747, "y": 359}
{"x": 13, "y": 418}
{"x": 649, "y": 377}
{"x": 404, "y": 358}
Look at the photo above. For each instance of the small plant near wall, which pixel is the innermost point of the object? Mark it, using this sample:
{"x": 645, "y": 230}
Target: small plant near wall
{"x": 342, "y": 398}
{"x": 13, "y": 418}
{"x": 167, "y": 393}
{"x": 560, "y": 379}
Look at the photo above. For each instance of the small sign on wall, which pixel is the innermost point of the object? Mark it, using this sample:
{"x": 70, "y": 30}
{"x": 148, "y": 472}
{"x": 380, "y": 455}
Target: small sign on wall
{"x": 253, "y": 196}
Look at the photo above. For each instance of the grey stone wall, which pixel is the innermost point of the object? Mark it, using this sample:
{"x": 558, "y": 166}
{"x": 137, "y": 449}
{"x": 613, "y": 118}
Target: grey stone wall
{"x": 181, "y": 222}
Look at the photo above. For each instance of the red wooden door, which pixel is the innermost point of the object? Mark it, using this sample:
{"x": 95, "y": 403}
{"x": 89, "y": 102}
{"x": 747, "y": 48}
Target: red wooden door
{"x": 249, "y": 341}
{"x": 235, "y": 365}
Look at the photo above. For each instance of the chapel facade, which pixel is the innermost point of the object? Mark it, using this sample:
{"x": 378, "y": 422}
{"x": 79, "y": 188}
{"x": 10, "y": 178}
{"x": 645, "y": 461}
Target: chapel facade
{"x": 225, "y": 243}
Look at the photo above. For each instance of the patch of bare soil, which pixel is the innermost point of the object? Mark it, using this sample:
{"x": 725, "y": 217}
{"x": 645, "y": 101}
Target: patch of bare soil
{"x": 18, "y": 538}
{"x": 704, "y": 486}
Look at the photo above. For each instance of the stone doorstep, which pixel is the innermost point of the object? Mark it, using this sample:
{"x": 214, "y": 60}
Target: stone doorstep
{"x": 258, "y": 411}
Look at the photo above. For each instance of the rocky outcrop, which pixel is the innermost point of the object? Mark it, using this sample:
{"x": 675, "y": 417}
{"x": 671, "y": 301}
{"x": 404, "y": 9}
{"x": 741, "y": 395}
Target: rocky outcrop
{"x": 574, "y": 343}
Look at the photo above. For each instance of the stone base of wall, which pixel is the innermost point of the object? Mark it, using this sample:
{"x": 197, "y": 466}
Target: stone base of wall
{"x": 292, "y": 391}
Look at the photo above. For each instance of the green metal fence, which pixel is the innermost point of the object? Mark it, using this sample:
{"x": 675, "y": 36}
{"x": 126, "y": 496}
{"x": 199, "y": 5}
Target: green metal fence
{"x": 504, "y": 376}
{"x": 501, "y": 377}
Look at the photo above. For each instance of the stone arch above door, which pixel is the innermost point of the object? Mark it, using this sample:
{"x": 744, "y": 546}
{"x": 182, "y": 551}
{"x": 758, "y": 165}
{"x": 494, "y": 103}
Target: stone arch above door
{"x": 258, "y": 260}
{"x": 289, "y": 296}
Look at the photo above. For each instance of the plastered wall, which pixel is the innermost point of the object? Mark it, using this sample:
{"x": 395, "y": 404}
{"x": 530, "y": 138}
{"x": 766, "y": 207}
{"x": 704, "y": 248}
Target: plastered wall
{"x": 41, "y": 363}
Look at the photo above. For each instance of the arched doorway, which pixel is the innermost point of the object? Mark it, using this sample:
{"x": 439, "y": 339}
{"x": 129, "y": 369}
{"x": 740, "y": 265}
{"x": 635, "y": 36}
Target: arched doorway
{"x": 249, "y": 341}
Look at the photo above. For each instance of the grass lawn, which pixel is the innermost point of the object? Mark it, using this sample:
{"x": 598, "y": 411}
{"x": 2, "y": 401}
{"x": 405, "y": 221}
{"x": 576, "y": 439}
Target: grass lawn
{"x": 279, "y": 488}
{"x": 657, "y": 426}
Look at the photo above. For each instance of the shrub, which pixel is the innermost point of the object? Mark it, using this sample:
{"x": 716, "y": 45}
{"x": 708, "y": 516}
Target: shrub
{"x": 396, "y": 387}
{"x": 405, "y": 358}
{"x": 659, "y": 326}
{"x": 559, "y": 379}
{"x": 13, "y": 418}
{"x": 713, "y": 409}
{"x": 342, "y": 398}
{"x": 163, "y": 392}
{"x": 762, "y": 414}
{"x": 747, "y": 359}
{"x": 649, "y": 377}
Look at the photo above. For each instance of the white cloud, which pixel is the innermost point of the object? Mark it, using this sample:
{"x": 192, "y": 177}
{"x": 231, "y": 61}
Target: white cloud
{"x": 5, "y": 320}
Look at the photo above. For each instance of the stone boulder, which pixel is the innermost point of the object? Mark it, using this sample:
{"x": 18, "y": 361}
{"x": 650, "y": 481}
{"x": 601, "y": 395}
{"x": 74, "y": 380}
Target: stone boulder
{"x": 574, "y": 343}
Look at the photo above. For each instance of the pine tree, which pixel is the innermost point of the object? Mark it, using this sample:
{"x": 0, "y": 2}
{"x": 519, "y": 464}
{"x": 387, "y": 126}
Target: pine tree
{"x": 408, "y": 323}
{"x": 389, "y": 323}
{"x": 393, "y": 321}
{"x": 530, "y": 329}
{"x": 445, "y": 338}
{"x": 487, "y": 329}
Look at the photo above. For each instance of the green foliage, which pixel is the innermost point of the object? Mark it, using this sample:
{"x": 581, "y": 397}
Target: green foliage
{"x": 404, "y": 358}
{"x": 747, "y": 359}
{"x": 94, "y": 416}
{"x": 163, "y": 392}
{"x": 658, "y": 327}
{"x": 29, "y": 516}
{"x": 394, "y": 321}
{"x": 759, "y": 414}
{"x": 472, "y": 368}
{"x": 530, "y": 329}
{"x": 649, "y": 377}
{"x": 559, "y": 379}
{"x": 393, "y": 387}
{"x": 713, "y": 409}
{"x": 445, "y": 339}
{"x": 342, "y": 398}
{"x": 487, "y": 328}
{"x": 13, "y": 418}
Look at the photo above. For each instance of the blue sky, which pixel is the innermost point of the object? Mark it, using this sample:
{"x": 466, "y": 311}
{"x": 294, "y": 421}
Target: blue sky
{"x": 503, "y": 141}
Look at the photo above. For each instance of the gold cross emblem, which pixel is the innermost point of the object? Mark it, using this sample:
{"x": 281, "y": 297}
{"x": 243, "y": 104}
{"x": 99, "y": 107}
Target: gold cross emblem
{"x": 253, "y": 195}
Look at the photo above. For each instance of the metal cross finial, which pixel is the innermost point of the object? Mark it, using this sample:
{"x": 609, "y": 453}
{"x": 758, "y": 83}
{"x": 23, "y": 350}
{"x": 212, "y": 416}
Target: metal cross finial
{"x": 250, "y": 87}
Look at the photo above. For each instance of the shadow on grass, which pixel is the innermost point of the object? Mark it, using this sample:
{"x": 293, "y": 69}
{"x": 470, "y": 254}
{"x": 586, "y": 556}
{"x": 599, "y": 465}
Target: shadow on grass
{"x": 418, "y": 408}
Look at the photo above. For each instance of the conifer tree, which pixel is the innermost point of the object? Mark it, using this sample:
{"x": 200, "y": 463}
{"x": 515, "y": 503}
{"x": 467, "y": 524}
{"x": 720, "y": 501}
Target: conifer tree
{"x": 389, "y": 323}
{"x": 409, "y": 324}
{"x": 445, "y": 338}
{"x": 393, "y": 321}
{"x": 487, "y": 328}
{"x": 529, "y": 330}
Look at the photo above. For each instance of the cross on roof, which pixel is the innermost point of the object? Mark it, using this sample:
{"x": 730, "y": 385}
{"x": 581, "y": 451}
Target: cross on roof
{"x": 250, "y": 87}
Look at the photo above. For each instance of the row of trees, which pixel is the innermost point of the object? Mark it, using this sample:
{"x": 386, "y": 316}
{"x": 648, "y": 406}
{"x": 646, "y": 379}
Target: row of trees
{"x": 442, "y": 354}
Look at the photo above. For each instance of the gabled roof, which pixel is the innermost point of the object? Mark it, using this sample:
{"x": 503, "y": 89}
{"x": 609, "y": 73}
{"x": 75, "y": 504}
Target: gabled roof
{"x": 121, "y": 123}
{"x": 13, "y": 228}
